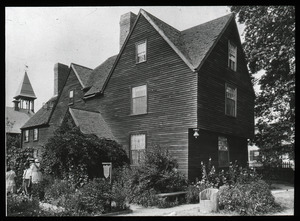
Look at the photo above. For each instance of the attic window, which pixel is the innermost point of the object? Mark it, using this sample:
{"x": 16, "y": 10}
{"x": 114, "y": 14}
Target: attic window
{"x": 141, "y": 51}
{"x": 232, "y": 53}
{"x": 71, "y": 97}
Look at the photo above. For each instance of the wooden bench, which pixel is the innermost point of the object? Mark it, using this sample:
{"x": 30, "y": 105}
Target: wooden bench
{"x": 171, "y": 194}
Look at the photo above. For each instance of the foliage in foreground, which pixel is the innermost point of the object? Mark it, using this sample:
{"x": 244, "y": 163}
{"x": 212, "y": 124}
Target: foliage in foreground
{"x": 253, "y": 198}
{"x": 270, "y": 46}
{"x": 72, "y": 155}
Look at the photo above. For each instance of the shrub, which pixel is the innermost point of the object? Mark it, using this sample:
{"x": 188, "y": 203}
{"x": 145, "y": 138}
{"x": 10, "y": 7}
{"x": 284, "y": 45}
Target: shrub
{"x": 78, "y": 157}
{"x": 93, "y": 198}
{"x": 250, "y": 198}
{"x": 19, "y": 205}
{"x": 57, "y": 193}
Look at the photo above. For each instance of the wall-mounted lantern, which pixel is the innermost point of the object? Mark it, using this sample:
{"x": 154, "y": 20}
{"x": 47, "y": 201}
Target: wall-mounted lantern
{"x": 196, "y": 134}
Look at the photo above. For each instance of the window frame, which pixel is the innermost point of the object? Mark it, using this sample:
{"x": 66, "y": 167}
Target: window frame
{"x": 136, "y": 51}
{"x": 130, "y": 142}
{"x": 232, "y": 45}
{"x": 71, "y": 99}
{"x": 132, "y": 98}
{"x": 235, "y": 101}
{"x": 26, "y": 136}
{"x": 228, "y": 150}
{"x": 37, "y": 136}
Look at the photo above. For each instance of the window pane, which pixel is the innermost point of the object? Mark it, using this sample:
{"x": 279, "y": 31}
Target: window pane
{"x": 141, "y": 47}
{"x": 139, "y": 91}
{"x": 138, "y": 144}
{"x": 139, "y": 100}
{"x": 71, "y": 94}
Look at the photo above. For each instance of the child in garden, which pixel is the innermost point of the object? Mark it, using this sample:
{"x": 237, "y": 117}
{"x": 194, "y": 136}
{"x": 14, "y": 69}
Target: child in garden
{"x": 10, "y": 180}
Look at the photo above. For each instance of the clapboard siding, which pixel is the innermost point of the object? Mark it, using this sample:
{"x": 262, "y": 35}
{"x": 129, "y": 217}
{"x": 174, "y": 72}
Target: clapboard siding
{"x": 171, "y": 90}
{"x": 213, "y": 76}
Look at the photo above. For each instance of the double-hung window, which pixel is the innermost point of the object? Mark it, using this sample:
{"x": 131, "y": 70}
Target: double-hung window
{"x": 71, "y": 96}
{"x": 26, "y": 135}
{"x": 35, "y": 134}
{"x": 232, "y": 55}
{"x": 137, "y": 147}
{"x": 223, "y": 152}
{"x": 139, "y": 100}
{"x": 141, "y": 51}
{"x": 231, "y": 100}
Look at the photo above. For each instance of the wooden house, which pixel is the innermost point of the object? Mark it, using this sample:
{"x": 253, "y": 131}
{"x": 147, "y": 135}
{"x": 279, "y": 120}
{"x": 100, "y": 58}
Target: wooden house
{"x": 188, "y": 90}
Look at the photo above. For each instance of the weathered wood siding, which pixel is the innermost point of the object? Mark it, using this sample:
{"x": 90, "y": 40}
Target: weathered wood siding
{"x": 171, "y": 89}
{"x": 213, "y": 76}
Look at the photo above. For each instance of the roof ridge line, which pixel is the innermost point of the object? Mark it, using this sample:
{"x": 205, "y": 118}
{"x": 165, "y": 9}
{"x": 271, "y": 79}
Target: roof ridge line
{"x": 81, "y": 66}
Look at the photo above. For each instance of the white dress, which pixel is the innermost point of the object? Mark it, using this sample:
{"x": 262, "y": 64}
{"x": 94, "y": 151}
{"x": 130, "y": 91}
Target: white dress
{"x": 36, "y": 175}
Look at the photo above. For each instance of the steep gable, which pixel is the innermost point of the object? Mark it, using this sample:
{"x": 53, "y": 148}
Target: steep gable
{"x": 99, "y": 75}
{"x": 82, "y": 73}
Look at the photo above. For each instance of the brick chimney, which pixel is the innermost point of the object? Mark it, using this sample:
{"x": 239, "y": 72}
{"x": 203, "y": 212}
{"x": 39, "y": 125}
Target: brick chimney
{"x": 126, "y": 23}
{"x": 61, "y": 72}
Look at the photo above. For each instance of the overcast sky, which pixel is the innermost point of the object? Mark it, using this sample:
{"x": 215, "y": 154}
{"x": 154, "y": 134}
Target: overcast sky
{"x": 39, "y": 37}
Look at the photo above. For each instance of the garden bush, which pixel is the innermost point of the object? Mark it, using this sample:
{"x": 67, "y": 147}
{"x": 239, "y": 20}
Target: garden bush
{"x": 58, "y": 192}
{"x": 19, "y": 205}
{"x": 252, "y": 198}
{"x": 78, "y": 157}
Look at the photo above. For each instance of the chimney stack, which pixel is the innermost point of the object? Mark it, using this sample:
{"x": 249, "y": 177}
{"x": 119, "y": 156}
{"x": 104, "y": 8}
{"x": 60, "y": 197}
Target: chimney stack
{"x": 61, "y": 72}
{"x": 126, "y": 23}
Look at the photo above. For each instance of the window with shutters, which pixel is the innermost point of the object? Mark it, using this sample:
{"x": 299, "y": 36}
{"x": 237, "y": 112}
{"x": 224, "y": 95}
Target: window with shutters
{"x": 139, "y": 100}
{"x": 232, "y": 55}
{"x": 141, "y": 51}
{"x": 223, "y": 152}
{"x": 137, "y": 147}
{"x": 231, "y": 101}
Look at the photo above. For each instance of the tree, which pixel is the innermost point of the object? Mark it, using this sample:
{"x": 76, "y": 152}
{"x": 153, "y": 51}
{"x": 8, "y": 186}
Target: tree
{"x": 77, "y": 157}
{"x": 270, "y": 45}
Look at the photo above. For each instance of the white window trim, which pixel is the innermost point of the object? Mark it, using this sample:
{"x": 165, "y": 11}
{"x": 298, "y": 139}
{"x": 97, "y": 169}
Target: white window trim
{"x": 235, "y": 106}
{"x": 26, "y": 136}
{"x": 230, "y": 45}
{"x": 71, "y": 99}
{"x": 130, "y": 145}
{"x": 131, "y": 93}
{"x": 37, "y": 134}
{"x": 136, "y": 51}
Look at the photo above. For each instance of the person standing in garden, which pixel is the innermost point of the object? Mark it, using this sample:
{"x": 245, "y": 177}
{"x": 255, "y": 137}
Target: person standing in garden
{"x": 10, "y": 180}
{"x": 36, "y": 173}
{"x": 27, "y": 176}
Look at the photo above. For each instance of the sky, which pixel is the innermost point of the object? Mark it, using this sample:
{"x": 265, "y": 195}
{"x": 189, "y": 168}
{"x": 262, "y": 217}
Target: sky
{"x": 40, "y": 37}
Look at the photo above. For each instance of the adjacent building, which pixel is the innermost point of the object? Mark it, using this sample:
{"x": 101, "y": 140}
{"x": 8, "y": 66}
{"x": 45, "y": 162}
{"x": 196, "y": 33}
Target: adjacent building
{"x": 23, "y": 108}
{"x": 188, "y": 90}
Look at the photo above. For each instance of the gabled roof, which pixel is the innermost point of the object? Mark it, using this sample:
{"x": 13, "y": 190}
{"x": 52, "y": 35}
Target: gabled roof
{"x": 99, "y": 75}
{"x": 192, "y": 45}
{"x": 82, "y": 73}
{"x": 14, "y": 120}
{"x": 25, "y": 89}
{"x": 41, "y": 117}
{"x": 91, "y": 123}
